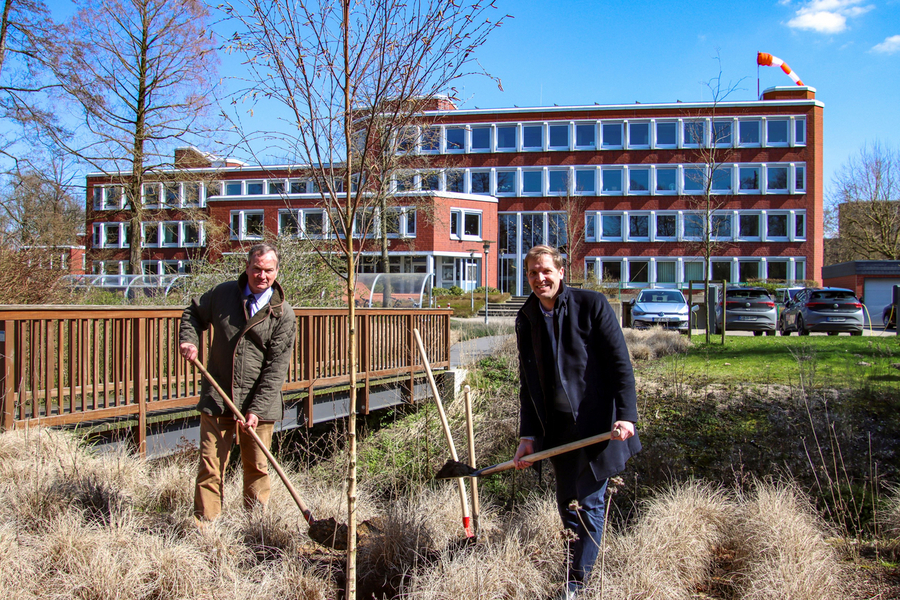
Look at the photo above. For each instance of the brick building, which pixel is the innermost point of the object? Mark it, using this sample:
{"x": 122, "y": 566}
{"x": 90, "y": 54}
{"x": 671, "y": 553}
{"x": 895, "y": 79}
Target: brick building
{"x": 630, "y": 176}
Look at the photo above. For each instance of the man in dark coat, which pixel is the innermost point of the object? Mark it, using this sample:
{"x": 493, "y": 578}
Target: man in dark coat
{"x": 576, "y": 382}
{"x": 253, "y": 338}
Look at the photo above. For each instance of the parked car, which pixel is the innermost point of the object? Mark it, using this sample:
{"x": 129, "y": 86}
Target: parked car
{"x": 747, "y": 309}
{"x": 832, "y": 310}
{"x": 663, "y": 307}
{"x": 889, "y": 316}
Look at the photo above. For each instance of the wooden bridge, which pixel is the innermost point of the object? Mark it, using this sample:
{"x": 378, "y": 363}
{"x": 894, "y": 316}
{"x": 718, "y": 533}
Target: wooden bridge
{"x": 72, "y": 365}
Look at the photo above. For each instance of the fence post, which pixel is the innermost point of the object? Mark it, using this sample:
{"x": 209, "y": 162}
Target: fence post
{"x": 9, "y": 393}
{"x": 140, "y": 383}
{"x": 724, "y": 302}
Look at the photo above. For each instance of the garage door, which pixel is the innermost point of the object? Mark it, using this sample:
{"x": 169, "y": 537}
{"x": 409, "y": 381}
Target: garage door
{"x": 877, "y": 294}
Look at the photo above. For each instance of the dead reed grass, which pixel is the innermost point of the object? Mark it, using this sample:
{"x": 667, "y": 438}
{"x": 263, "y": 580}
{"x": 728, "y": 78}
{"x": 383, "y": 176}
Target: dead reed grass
{"x": 655, "y": 342}
{"x": 783, "y": 551}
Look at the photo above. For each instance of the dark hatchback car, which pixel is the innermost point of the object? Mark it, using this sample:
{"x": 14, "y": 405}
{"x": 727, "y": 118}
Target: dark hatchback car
{"x": 832, "y": 310}
{"x": 747, "y": 309}
{"x": 889, "y": 316}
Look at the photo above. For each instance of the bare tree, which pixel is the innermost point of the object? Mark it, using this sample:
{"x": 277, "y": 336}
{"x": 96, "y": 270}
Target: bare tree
{"x": 39, "y": 208}
{"x": 709, "y": 182}
{"x": 350, "y": 77}
{"x": 571, "y": 231}
{"x": 140, "y": 74}
{"x": 865, "y": 204}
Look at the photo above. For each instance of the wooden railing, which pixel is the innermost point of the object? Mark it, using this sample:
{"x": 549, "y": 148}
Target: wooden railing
{"x": 61, "y": 366}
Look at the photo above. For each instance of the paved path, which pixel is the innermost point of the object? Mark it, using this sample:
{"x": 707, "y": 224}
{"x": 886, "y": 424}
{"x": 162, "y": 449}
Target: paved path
{"x": 470, "y": 351}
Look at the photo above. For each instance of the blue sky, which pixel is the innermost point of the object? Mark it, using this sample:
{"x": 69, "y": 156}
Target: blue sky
{"x": 581, "y": 51}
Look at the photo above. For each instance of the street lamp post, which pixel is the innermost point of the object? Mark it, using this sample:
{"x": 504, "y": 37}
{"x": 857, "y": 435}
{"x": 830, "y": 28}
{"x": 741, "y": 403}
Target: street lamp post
{"x": 469, "y": 266}
{"x": 487, "y": 249}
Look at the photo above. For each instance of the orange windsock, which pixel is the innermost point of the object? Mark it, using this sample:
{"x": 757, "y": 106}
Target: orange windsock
{"x": 767, "y": 60}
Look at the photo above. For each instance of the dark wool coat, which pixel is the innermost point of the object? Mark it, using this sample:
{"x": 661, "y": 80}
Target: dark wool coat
{"x": 594, "y": 368}
{"x": 249, "y": 358}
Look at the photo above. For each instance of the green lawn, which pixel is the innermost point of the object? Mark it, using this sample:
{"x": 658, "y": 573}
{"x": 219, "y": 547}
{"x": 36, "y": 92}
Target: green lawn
{"x": 841, "y": 361}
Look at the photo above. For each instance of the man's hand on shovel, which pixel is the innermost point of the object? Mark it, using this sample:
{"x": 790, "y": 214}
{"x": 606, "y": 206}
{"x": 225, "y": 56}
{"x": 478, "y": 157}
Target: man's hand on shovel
{"x": 622, "y": 430}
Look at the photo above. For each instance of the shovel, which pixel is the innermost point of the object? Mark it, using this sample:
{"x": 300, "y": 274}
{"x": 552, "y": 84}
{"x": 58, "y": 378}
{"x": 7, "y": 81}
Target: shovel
{"x": 326, "y": 532}
{"x": 453, "y": 469}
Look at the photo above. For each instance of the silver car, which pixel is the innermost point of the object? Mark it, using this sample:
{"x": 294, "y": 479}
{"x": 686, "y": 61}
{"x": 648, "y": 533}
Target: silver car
{"x": 664, "y": 307}
{"x": 747, "y": 309}
{"x": 832, "y": 310}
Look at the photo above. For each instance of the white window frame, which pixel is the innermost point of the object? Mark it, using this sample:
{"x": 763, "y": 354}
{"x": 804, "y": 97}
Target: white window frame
{"x": 100, "y": 233}
{"x": 768, "y": 237}
{"x": 490, "y": 132}
{"x": 627, "y": 181}
{"x": 753, "y": 238}
{"x": 592, "y": 171}
{"x": 515, "y": 181}
{"x": 445, "y": 146}
{"x": 760, "y": 169}
{"x": 626, "y": 225}
{"x": 765, "y": 137}
{"x": 544, "y": 137}
{"x": 514, "y": 126}
{"x": 654, "y": 140}
{"x": 624, "y": 183}
{"x": 650, "y": 127}
{"x": 145, "y": 226}
{"x": 622, "y": 132}
{"x": 759, "y": 124}
{"x": 570, "y": 143}
{"x": 543, "y": 186}
{"x": 792, "y": 184}
{"x": 479, "y": 171}
{"x": 242, "y": 233}
{"x": 654, "y": 226}
{"x": 704, "y": 131}
{"x": 622, "y": 226}
{"x": 593, "y": 125}
{"x": 794, "y": 140}
{"x": 151, "y": 195}
{"x": 591, "y": 226}
{"x": 567, "y": 175}
{"x": 460, "y": 215}
{"x": 787, "y": 188}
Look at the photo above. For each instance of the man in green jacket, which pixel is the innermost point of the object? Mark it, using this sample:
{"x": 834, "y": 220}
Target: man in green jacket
{"x": 253, "y": 337}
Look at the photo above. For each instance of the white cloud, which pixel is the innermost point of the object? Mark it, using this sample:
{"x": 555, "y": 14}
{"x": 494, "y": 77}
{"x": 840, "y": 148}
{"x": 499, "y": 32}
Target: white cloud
{"x": 827, "y": 16}
{"x": 888, "y": 46}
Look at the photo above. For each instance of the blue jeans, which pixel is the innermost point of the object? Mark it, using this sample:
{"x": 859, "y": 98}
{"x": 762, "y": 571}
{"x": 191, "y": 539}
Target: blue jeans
{"x": 575, "y": 481}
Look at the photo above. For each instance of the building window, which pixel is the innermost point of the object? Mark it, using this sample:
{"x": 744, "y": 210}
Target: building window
{"x": 409, "y": 220}
{"x": 694, "y": 180}
{"x": 112, "y": 197}
{"x": 585, "y": 135}
{"x": 557, "y": 234}
{"x": 638, "y": 271}
{"x": 559, "y": 137}
{"x": 611, "y": 227}
{"x": 247, "y": 225}
{"x": 800, "y": 131}
{"x": 481, "y": 139}
{"x": 508, "y": 238}
{"x": 558, "y": 182}
{"x": 506, "y": 137}
{"x": 532, "y": 230}
{"x": 721, "y": 270}
{"x": 275, "y": 188}
{"x": 749, "y": 177}
{"x": 97, "y": 192}
{"x": 612, "y": 135}
{"x": 693, "y": 271}
{"x": 297, "y": 186}
{"x": 150, "y": 193}
{"x": 169, "y": 233}
{"x": 694, "y": 226}
{"x": 585, "y": 181}
{"x": 506, "y": 182}
{"x": 314, "y": 223}
{"x": 776, "y": 179}
{"x": 430, "y": 181}
{"x": 777, "y": 270}
{"x": 172, "y": 195}
{"x": 471, "y": 224}
{"x": 638, "y": 135}
{"x": 748, "y": 270}
{"x": 111, "y": 235}
{"x": 666, "y": 226}
{"x": 666, "y": 180}
{"x": 799, "y": 178}
{"x": 748, "y": 132}
{"x": 720, "y": 226}
{"x": 611, "y": 181}
{"x": 533, "y": 137}
{"x": 255, "y": 188}
{"x": 431, "y": 140}
{"x": 666, "y": 134}
{"x": 721, "y": 179}
{"x": 193, "y": 195}
{"x": 456, "y": 181}
{"x": 532, "y": 182}
{"x": 694, "y": 133}
{"x": 721, "y": 134}
{"x": 776, "y": 226}
{"x": 289, "y": 222}
{"x": 481, "y": 182}
{"x": 233, "y": 188}
{"x": 466, "y": 221}
{"x": 748, "y": 226}
{"x": 590, "y": 227}
{"x": 800, "y": 226}
{"x": 638, "y": 180}
{"x": 150, "y": 234}
{"x": 638, "y": 227}
{"x": 777, "y": 132}
{"x": 456, "y": 139}
{"x": 665, "y": 271}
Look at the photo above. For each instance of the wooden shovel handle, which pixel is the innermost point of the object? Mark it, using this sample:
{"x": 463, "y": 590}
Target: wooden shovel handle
{"x": 307, "y": 514}
{"x": 595, "y": 439}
